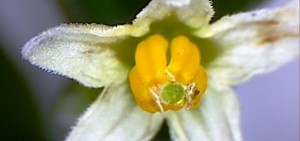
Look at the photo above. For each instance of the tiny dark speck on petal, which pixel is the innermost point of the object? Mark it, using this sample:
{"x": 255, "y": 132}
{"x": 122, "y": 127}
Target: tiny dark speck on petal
{"x": 268, "y": 23}
{"x": 89, "y": 52}
{"x": 269, "y": 39}
{"x": 267, "y": 35}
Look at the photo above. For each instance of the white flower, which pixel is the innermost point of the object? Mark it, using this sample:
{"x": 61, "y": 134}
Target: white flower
{"x": 233, "y": 49}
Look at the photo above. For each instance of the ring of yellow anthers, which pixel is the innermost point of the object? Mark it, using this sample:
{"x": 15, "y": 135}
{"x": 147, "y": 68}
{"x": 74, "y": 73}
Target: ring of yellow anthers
{"x": 158, "y": 85}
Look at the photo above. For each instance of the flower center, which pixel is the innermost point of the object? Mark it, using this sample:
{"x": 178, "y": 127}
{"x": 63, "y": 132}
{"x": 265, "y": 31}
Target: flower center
{"x": 159, "y": 85}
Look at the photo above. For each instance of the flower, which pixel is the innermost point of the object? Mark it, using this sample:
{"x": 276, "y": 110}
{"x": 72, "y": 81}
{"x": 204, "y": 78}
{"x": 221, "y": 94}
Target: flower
{"x": 163, "y": 60}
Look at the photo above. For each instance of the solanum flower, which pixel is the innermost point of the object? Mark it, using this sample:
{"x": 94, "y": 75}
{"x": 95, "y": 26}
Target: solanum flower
{"x": 161, "y": 66}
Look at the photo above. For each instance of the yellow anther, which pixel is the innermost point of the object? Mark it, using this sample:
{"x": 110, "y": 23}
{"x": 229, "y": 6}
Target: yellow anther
{"x": 158, "y": 85}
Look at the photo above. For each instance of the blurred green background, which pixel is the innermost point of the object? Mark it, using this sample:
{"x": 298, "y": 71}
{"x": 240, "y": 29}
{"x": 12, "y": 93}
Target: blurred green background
{"x": 38, "y": 106}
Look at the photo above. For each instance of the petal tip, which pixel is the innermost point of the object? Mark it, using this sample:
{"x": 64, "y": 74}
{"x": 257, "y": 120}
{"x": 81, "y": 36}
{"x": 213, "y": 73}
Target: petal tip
{"x": 178, "y": 3}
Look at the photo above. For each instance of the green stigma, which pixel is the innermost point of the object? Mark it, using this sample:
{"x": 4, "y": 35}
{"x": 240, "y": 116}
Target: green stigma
{"x": 172, "y": 93}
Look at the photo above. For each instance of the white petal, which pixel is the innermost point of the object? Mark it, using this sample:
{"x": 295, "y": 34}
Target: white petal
{"x": 114, "y": 116}
{"x": 216, "y": 119}
{"x": 254, "y": 42}
{"x": 82, "y": 52}
{"x": 194, "y": 13}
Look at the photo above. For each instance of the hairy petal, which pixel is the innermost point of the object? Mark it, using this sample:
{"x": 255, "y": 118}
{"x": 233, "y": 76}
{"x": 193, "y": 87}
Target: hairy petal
{"x": 254, "y": 42}
{"x": 216, "y": 119}
{"x": 194, "y": 13}
{"x": 81, "y": 52}
{"x": 115, "y": 116}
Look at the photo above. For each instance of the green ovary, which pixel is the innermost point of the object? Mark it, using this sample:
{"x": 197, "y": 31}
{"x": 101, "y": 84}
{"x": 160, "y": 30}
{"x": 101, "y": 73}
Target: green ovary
{"x": 172, "y": 93}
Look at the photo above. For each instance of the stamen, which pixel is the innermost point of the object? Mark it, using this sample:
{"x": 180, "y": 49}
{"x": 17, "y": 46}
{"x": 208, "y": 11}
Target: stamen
{"x": 158, "y": 85}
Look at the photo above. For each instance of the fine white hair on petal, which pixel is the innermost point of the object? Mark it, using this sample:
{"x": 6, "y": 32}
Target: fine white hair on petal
{"x": 114, "y": 116}
{"x": 194, "y": 13}
{"x": 81, "y": 52}
{"x": 216, "y": 118}
{"x": 254, "y": 42}
{"x": 178, "y": 3}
